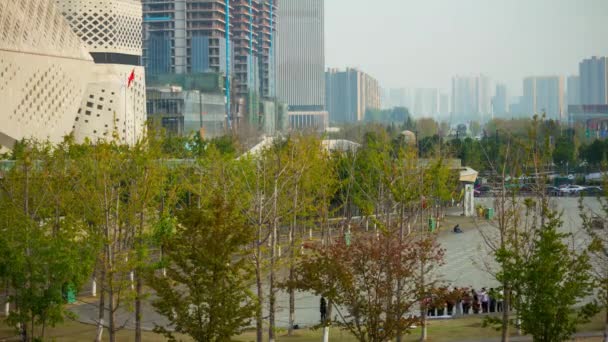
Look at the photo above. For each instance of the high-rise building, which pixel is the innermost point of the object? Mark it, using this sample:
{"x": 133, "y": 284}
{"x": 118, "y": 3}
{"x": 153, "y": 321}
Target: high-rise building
{"x": 471, "y": 97}
{"x": 444, "y": 104}
{"x": 301, "y": 61}
{"x": 349, "y": 94}
{"x": 190, "y": 37}
{"x": 234, "y": 38}
{"x": 573, "y": 84}
{"x": 593, "y": 74}
{"x": 426, "y": 102}
{"x": 499, "y": 102}
{"x": 544, "y": 95}
{"x": 401, "y": 97}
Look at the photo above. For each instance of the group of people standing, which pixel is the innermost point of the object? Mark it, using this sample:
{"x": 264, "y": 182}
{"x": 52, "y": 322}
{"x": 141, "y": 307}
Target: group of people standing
{"x": 464, "y": 301}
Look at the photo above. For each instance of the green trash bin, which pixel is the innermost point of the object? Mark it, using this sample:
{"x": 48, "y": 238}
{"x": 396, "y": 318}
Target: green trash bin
{"x": 432, "y": 224}
{"x": 347, "y": 238}
{"x": 69, "y": 293}
{"x": 489, "y": 213}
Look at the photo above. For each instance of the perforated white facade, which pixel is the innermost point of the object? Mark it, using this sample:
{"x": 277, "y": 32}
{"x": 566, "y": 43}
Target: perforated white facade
{"x": 44, "y": 70}
{"x": 64, "y": 68}
{"x": 106, "y": 25}
{"x": 112, "y": 108}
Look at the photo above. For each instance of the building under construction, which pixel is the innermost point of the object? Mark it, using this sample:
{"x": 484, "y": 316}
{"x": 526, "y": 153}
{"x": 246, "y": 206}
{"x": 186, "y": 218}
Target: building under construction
{"x": 234, "y": 38}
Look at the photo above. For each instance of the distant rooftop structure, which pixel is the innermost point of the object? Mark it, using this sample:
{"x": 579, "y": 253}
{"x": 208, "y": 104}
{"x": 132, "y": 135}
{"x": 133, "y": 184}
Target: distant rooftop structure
{"x": 341, "y": 145}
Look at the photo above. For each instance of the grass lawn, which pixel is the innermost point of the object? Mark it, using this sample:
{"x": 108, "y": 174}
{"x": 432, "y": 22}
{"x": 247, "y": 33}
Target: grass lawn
{"x": 463, "y": 329}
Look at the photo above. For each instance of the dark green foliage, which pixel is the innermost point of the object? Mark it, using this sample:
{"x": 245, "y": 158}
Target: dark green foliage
{"x": 44, "y": 246}
{"x": 206, "y": 293}
{"x": 565, "y": 151}
{"x": 550, "y": 283}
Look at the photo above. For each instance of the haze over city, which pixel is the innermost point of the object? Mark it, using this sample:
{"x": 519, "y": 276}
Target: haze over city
{"x": 304, "y": 170}
{"x": 423, "y": 43}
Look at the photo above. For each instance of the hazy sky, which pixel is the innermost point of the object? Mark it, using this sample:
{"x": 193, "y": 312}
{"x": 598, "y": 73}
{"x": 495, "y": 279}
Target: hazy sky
{"x": 423, "y": 43}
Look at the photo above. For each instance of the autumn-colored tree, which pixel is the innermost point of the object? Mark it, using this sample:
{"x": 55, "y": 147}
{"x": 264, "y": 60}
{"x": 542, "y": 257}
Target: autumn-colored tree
{"x": 360, "y": 281}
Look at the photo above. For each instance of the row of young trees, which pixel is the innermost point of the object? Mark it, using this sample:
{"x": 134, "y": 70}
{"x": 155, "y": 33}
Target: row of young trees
{"x": 210, "y": 236}
{"x": 553, "y": 277}
{"x": 204, "y": 237}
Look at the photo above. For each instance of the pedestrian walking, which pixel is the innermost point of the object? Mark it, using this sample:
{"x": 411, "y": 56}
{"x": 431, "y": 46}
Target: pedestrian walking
{"x": 323, "y": 310}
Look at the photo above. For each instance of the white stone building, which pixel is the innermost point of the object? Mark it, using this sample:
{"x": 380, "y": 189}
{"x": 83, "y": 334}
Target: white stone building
{"x": 64, "y": 68}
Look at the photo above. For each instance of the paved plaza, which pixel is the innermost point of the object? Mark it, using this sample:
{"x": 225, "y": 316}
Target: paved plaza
{"x": 467, "y": 263}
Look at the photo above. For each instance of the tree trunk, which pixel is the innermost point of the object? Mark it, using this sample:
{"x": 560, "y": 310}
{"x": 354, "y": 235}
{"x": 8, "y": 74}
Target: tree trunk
{"x": 399, "y": 285}
{"x": 271, "y": 294}
{"x": 506, "y": 307}
{"x": 259, "y": 315}
{"x": 273, "y": 254}
{"x": 102, "y": 305}
{"x": 111, "y": 310}
{"x": 292, "y": 265}
{"x": 606, "y": 326}
{"x": 138, "y": 310}
{"x": 423, "y": 308}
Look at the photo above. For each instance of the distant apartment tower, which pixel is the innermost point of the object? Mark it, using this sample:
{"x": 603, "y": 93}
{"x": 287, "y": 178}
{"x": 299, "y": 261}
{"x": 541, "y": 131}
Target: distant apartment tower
{"x": 499, "y": 102}
{"x": 471, "y": 97}
{"x": 301, "y": 62}
{"x": 401, "y": 97}
{"x": 190, "y": 37}
{"x": 544, "y": 95}
{"x": 426, "y": 102}
{"x": 349, "y": 94}
{"x": 593, "y": 74}
{"x": 573, "y": 91}
{"x": 444, "y": 104}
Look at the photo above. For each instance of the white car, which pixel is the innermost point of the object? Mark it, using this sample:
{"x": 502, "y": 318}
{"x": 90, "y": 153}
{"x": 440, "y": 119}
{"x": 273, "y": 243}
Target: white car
{"x": 571, "y": 189}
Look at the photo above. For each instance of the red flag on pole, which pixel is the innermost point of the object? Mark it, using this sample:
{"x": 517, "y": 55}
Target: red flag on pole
{"x": 131, "y": 78}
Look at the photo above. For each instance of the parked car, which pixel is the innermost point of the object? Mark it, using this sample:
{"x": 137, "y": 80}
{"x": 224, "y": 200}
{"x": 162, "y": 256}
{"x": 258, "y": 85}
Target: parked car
{"x": 552, "y": 191}
{"x": 593, "y": 191}
{"x": 571, "y": 189}
{"x": 484, "y": 190}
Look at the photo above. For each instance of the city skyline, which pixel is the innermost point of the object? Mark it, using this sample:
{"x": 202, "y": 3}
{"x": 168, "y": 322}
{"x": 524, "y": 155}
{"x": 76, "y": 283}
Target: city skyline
{"x": 467, "y": 38}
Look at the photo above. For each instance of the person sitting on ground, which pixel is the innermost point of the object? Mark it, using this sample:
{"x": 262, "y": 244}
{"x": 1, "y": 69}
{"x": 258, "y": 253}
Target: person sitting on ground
{"x": 457, "y": 229}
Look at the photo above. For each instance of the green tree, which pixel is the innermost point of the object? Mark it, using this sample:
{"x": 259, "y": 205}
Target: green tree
{"x": 427, "y": 127}
{"x": 475, "y": 128}
{"x": 206, "y": 293}
{"x": 45, "y": 249}
{"x": 564, "y": 152}
{"x": 551, "y": 282}
{"x": 595, "y": 223}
